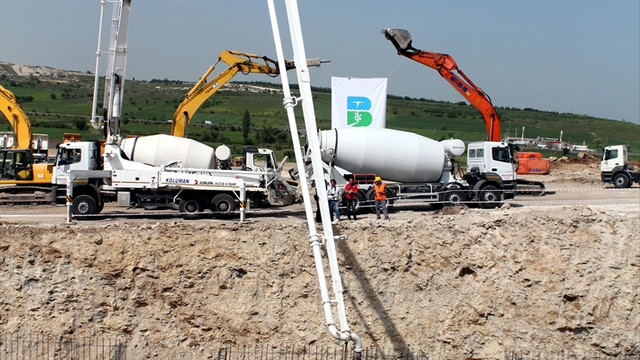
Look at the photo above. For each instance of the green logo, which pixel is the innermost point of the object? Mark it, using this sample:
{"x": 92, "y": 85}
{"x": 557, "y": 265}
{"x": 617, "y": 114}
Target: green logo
{"x": 357, "y": 111}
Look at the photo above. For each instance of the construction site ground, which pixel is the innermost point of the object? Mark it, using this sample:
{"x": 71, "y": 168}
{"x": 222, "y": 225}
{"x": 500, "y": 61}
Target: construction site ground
{"x": 556, "y": 274}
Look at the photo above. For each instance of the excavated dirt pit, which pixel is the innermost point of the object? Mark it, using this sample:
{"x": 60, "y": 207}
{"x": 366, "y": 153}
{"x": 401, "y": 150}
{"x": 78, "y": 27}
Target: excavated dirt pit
{"x": 551, "y": 277}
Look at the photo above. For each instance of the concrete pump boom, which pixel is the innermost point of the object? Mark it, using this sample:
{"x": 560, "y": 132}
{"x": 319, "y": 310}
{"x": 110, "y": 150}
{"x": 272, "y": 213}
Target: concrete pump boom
{"x": 238, "y": 62}
{"x": 203, "y": 89}
{"x": 316, "y": 240}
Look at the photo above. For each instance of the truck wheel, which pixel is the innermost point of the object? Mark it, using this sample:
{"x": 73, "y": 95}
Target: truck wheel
{"x": 454, "y": 197}
{"x": 84, "y": 205}
{"x": 621, "y": 180}
{"x": 390, "y": 195}
{"x": 360, "y": 203}
{"x": 489, "y": 197}
{"x": 189, "y": 206}
{"x": 223, "y": 203}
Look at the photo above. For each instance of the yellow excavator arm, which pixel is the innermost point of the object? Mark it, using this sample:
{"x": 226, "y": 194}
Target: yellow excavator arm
{"x": 17, "y": 118}
{"x": 203, "y": 89}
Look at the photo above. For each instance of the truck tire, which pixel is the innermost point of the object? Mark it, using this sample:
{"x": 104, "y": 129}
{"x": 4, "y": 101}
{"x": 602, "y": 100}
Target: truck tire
{"x": 189, "y": 206}
{"x": 360, "y": 203}
{"x": 621, "y": 181}
{"x": 489, "y": 197}
{"x": 454, "y": 197}
{"x": 84, "y": 205}
{"x": 223, "y": 203}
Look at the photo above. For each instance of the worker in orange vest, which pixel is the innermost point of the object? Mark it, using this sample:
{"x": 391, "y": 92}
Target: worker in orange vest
{"x": 380, "y": 198}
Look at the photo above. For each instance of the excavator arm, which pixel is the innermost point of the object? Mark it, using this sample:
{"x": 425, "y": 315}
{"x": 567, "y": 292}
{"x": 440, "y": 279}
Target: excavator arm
{"x": 17, "y": 118}
{"x": 203, "y": 89}
{"x": 446, "y": 66}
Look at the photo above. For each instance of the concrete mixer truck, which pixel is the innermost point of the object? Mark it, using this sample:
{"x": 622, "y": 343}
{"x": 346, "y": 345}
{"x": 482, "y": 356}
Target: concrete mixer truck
{"x": 164, "y": 171}
{"x": 418, "y": 169}
{"x": 159, "y": 171}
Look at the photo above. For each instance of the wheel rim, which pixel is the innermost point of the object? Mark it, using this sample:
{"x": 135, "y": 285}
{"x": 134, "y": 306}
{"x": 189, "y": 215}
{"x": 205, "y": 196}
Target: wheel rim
{"x": 620, "y": 181}
{"x": 455, "y": 199}
{"x": 489, "y": 197}
{"x": 191, "y": 206}
{"x": 223, "y": 206}
{"x": 83, "y": 208}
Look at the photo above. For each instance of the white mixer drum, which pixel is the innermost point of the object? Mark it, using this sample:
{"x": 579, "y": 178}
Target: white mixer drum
{"x": 158, "y": 150}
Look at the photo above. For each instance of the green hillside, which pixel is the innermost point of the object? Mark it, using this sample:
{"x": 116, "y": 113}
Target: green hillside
{"x": 62, "y": 103}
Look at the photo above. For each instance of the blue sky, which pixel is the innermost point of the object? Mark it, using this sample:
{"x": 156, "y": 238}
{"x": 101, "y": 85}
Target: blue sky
{"x": 573, "y": 56}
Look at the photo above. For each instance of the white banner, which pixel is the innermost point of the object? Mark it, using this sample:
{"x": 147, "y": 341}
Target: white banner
{"x": 358, "y": 102}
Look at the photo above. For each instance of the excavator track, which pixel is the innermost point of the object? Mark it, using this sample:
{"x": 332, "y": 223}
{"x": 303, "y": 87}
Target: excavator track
{"x": 15, "y": 195}
{"x": 531, "y": 188}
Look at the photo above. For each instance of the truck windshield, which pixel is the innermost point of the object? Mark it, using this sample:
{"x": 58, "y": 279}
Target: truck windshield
{"x": 68, "y": 156}
{"x": 500, "y": 154}
{"x": 610, "y": 154}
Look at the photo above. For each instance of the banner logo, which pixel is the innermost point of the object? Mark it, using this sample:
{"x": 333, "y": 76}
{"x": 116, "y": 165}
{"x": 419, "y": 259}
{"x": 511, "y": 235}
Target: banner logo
{"x": 358, "y": 102}
{"x": 358, "y": 111}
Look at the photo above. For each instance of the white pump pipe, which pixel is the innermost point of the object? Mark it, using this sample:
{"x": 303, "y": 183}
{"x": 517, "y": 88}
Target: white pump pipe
{"x": 316, "y": 240}
{"x": 94, "y": 120}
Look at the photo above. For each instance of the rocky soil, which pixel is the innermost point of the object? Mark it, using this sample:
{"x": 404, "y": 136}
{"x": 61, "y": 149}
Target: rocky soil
{"x": 458, "y": 283}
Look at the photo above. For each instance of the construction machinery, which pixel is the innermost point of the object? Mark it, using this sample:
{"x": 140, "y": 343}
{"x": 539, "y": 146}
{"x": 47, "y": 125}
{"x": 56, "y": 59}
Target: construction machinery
{"x": 160, "y": 171}
{"x": 324, "y": 242}
{"x": 532, "y": 163}
{"x": 203, "y": 89}
{"x": 615, "y": 167}
{"x": 446, "y": 66}
{"x": 242, "y": 62}
{"x": 419, "y": 169}
{"x": 24, "y": 174}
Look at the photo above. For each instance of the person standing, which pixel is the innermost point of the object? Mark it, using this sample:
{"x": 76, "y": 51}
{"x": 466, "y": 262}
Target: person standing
{"x": 351, "y": 189}
{"x": 380, "y": 198}
{"x": 333, "y": 193}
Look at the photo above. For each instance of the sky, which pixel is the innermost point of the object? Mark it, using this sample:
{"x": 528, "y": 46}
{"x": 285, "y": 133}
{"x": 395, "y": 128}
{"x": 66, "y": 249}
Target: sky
{"x": 569, "y": 56}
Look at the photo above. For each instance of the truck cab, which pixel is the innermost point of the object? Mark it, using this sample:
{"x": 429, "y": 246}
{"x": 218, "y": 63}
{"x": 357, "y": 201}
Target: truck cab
{"x": 615, "y": 168}
{"x": 78, "y": 155}
{"x": 487, "y": 157}
{"x": 491, "y": 172}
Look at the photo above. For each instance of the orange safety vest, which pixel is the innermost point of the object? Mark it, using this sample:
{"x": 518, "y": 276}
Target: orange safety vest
{"x": 380, "y": 191}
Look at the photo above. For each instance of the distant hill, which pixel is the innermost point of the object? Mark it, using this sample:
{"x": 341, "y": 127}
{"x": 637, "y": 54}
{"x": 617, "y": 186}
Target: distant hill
{"x": 59, "y": 101}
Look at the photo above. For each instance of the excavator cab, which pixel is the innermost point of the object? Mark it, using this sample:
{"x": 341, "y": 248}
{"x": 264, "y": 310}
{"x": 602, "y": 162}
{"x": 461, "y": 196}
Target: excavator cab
{"x": 16, "y": 164}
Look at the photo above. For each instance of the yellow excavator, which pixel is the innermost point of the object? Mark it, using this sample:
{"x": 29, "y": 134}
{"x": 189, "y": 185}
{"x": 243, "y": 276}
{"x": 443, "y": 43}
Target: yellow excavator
{"x": 21, "y": 176}
{"x": 245, "y": 63}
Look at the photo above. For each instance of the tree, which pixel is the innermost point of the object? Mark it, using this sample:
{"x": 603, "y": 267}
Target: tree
{"x": 246, "y": 124}
{"x": 80, "y": 124}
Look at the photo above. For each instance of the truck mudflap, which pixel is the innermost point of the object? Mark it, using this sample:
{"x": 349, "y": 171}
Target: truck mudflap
{"x": 530, "y": 188}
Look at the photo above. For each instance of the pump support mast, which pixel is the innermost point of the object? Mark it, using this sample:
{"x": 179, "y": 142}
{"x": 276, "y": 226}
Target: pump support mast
{"x": 114, "y": 78}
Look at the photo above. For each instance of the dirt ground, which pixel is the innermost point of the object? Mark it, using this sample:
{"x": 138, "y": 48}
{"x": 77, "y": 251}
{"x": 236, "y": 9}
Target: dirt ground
{"x": 556, "y": 274}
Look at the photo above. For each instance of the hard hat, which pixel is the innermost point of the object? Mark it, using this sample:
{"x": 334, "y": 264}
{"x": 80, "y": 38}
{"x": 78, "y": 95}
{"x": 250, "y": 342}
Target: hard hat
{"x": 377, "y": 178}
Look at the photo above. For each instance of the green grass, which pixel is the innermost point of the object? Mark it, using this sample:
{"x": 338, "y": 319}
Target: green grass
{"x": 55, "y": 107}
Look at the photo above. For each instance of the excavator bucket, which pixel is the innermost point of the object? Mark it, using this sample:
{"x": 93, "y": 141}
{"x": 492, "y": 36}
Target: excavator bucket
{"x": 399, "y": 37}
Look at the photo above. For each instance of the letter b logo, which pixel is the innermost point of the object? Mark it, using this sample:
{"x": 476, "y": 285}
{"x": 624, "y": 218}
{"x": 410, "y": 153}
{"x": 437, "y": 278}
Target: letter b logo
{"x": 358, "y": 114}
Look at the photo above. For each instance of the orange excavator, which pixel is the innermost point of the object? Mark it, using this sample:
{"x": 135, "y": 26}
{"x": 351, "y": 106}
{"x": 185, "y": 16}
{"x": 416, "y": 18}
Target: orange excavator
{"x": 446, "y": 66}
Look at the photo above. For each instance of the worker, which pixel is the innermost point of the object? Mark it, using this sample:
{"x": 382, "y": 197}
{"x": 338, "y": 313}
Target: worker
{"x": 333, "y": 193}
{"x": 380, "y": 197}
{"x": 351, "y": 189}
